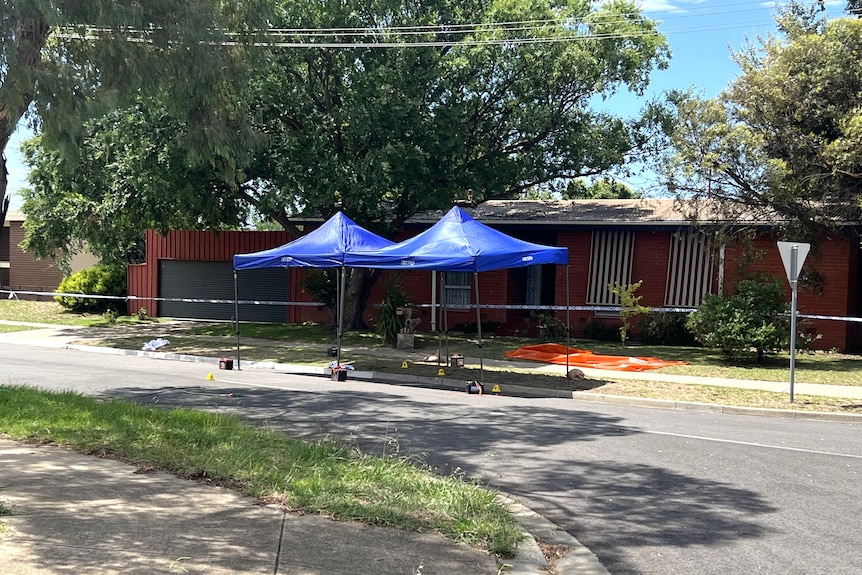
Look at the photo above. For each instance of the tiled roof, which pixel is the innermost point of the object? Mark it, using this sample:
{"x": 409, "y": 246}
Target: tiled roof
{"x": 643, "y": 212}
{"x": 583, "y": 212}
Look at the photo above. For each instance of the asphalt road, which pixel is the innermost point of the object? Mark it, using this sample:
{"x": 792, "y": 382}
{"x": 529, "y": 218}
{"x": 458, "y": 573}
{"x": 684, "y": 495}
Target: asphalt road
{"x": 649, "y": 491}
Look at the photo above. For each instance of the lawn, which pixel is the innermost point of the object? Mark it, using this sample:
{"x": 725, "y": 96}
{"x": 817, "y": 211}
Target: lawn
{"x": 820, "y": 367}
{"x": 47, "y": 312}
{"x": 307, "y": 344}
{"x": 318, "y": 477}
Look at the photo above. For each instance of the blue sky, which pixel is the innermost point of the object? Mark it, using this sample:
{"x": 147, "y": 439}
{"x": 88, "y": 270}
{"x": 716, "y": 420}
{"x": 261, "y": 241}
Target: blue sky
{"x": 701, "y": 35}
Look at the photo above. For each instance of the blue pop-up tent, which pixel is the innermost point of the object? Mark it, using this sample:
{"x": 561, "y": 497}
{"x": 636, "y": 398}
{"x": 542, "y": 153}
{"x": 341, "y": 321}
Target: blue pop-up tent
{"x": 329, "y": 246}
{"x": 459, "y": 243}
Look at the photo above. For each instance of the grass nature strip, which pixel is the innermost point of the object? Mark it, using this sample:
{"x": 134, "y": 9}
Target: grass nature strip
{"x": 310, "y": 476}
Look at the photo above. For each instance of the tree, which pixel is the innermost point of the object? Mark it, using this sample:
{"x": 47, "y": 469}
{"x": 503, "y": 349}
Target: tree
{"x": 601, "y": 189}
{"x": 131, "y": 172}
{"x": 384, "y": 131}
{"x": 62, "y": 62}
{"x": 784, "y": 140}
{"x": 630, "y": 305}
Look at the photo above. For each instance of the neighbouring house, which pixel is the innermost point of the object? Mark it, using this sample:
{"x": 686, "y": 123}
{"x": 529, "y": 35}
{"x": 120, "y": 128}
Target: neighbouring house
{"x": 609, "y": 241}
{"x": 21, "y": 271}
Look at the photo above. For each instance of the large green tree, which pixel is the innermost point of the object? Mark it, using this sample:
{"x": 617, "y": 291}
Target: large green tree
{"x": 381, "y": 109}
{"x": 63, "y": 61}
{"x": 784, "y": 140}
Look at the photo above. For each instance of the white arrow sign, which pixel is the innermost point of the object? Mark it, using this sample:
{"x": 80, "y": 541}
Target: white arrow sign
{"x": 793, "y": 265}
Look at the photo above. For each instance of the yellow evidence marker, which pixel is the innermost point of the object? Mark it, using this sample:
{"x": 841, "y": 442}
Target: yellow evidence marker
{"x": 495, "y": 389}
{"x": 404, "y": 365}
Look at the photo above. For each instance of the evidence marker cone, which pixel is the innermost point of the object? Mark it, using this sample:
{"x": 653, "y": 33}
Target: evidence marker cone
{"x": 210, "y": 377}
{"x": 404, "y": 365}
{"x": 440, "y": 372}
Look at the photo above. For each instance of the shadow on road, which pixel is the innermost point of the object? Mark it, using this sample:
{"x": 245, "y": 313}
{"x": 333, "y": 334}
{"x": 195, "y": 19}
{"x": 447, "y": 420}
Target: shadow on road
{"x": 528, "y": 451}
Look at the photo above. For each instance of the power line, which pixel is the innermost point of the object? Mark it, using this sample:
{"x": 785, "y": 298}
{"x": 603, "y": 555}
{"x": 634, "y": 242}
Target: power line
{"x": 537, "y": 31}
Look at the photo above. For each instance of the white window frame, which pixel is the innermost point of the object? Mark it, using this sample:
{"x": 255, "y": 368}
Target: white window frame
{"x": 690, "y": 269}
{"x": 458, "y": 288}
{"x": 611, "y": 253}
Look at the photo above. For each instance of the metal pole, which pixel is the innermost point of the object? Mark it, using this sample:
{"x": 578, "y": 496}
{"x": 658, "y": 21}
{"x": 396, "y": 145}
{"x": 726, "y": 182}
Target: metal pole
{"x": 339, "y": 315}
{"x": 794, "y": 253}
{"x": 479, "y": 330}
{"x": 236, "y": 319}
{"x": 445, "y": 311}
{"x": 568, "y": 320}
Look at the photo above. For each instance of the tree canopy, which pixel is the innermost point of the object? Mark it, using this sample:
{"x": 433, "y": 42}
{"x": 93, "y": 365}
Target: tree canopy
{"x": 387, "y": 109}
{"x": 784, "y": 140}
{"x": 63, "y": 62}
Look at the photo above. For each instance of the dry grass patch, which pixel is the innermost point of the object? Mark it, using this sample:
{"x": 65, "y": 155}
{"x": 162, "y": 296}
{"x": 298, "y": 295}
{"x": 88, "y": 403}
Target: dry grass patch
{"x": 728, "y": 396}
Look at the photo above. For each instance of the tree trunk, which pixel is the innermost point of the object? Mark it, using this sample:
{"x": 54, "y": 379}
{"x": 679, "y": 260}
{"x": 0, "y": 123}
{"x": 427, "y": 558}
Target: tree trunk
{"x": 16, "y": 90}
{"x": 356, "y": 296}
{"x": 4, "y": 182}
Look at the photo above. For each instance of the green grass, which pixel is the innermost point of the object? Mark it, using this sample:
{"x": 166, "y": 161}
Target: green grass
{"x": 286, "y": 343}
{"x": 11, "y": 328}
{"x": 820, "y": 367}
{"x": 734, "y": 396}
{"x": 315, "y": 477}
{"x": 42, "y": 312}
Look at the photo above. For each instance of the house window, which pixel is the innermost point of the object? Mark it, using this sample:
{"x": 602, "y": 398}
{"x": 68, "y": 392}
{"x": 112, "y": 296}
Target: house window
{"x": 610, "y": 262}
{"x": 690, "y": 269}
{"x": 457, "y": 286}
{"x": 533, "y": 294}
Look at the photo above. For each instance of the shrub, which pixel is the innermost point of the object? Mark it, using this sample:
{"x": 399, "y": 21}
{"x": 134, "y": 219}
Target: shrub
{"x": 600, "y": 331}
{"x": 470, "y": 327}
{"x": 549, "y": 326}
{"x": 108, "y": 280}
{"x": 389, "y": 323}
{"x": 666, "y": 328}
{"x": 323, "y": 287}
{"x": 749, "y": 319}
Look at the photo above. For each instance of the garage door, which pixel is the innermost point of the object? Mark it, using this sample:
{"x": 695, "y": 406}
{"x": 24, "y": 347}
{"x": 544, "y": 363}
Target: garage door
{"x": 214, "y": 280}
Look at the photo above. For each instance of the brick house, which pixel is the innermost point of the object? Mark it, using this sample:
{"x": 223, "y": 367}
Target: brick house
{"x": 22, "y": 271}
{"x": 609, "y": 241}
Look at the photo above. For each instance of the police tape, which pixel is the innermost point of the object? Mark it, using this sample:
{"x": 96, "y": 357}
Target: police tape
{"x": 13, "y": 294}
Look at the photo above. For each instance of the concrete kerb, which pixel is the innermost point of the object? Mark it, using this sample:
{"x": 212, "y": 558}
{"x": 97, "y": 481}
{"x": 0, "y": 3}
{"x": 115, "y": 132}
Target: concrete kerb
{"x": 505, "y": 389}
{"x": 578, "y": 559}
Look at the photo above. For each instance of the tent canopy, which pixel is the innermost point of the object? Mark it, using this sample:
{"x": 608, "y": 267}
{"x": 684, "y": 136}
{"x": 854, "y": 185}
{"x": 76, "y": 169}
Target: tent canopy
{"x": 458, "y": 243}
{"x": 326, "y": 247}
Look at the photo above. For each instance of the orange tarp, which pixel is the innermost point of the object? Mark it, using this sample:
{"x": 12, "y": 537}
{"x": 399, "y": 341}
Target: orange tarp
{"x": 556, "y": 353}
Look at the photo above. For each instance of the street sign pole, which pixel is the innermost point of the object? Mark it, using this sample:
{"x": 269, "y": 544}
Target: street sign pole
{"x": 793, "y": 255}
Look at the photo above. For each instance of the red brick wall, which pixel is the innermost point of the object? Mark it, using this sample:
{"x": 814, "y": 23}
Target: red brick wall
{"x": 25, "y": 271}
{"x": 4, "y": 243}
{"x": 837, "y": 260}
{"x": 649, "y": 264}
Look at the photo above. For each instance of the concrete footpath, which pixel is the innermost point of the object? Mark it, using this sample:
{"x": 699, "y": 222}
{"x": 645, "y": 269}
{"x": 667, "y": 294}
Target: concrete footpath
{"x": 72, "y": 513}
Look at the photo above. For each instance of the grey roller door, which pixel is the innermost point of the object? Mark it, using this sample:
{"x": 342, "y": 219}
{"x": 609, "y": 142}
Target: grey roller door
{"x": 214, "y": 280}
